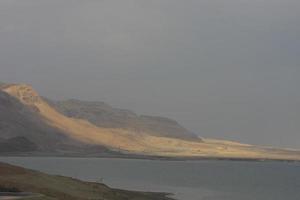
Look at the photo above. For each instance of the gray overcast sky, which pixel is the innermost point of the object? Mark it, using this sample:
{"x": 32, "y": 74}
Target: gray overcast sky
{"x": 224, "y": 69}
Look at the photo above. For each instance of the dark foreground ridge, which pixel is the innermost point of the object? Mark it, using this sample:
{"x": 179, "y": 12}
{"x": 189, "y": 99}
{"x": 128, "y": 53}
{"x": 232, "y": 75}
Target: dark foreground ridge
{"x": 49, "y": 187}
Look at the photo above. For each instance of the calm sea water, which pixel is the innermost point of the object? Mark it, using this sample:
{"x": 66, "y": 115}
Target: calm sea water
{"x": 189, "y": 180}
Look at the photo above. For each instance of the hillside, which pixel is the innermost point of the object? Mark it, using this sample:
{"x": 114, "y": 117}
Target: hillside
{"x": 17, "y": 179}
{"x": 103, "y": 115}
{"x": 79, "y": 131}
{"x": 18, "y": 120}
{"x": 22, "y": 129}
{"x": 17, "y": 144}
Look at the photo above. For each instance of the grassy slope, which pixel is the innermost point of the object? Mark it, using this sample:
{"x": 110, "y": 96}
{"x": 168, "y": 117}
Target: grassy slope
{"x": 59, "y": 187}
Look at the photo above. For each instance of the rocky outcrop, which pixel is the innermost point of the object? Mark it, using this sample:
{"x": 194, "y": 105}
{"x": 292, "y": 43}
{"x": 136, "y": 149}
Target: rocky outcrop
{"x": 24, "y": 93}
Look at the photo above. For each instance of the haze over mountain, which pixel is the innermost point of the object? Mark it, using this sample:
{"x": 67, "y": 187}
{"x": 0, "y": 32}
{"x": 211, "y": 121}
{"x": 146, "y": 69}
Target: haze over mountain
{"x": 93, "y": 128}
{"x": 21, "y": 118}
{"x": 103, "y": 115}
{"x": 224, "y": 69}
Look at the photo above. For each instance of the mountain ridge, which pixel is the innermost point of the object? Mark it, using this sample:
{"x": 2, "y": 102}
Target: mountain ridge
{"x": 81, "y": 132}
{"x": 103, "y": 115}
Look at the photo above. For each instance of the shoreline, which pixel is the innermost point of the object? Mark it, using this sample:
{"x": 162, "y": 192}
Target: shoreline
{"x": 18, "y": 180}
{"x": 18, "y": 195}
{"x": 130, "y": 174}
{"x": 155, "y": 158}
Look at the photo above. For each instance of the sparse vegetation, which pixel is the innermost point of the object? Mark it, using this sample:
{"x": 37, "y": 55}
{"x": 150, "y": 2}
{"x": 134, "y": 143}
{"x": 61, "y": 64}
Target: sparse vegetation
{"x": 63, "y": 188}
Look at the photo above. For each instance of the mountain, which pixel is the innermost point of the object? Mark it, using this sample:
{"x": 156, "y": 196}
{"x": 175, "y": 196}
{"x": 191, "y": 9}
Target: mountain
{"x": 103, "y": 115}
{"x": 18, "y": 120}
{"x": 22, "y": 129}
{"x": 93, "y": 128}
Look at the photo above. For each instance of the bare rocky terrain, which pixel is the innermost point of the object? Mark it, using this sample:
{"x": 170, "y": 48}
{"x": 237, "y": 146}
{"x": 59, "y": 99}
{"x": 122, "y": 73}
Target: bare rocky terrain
{"x": 31, "y": 125}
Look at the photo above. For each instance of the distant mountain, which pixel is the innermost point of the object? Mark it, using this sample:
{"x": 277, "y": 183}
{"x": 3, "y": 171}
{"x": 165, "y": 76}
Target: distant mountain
{"x": 103, "y": 115}
{"x": 28, "y": 123}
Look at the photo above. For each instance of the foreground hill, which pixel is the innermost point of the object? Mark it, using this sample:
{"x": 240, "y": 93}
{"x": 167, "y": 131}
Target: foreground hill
{"x": 17, "y": 179}
{"x": 78, "y": 129}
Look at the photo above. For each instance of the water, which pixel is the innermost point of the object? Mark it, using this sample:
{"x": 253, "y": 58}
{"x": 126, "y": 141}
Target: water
{"x": 191, "y": 180}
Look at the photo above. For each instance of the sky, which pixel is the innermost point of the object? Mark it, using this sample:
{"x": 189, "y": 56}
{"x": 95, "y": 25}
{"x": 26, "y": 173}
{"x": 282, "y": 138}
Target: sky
{"x": 223, "y": 69}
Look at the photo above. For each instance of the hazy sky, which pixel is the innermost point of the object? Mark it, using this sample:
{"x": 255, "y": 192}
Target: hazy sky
{"x": 224, "y": 69}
